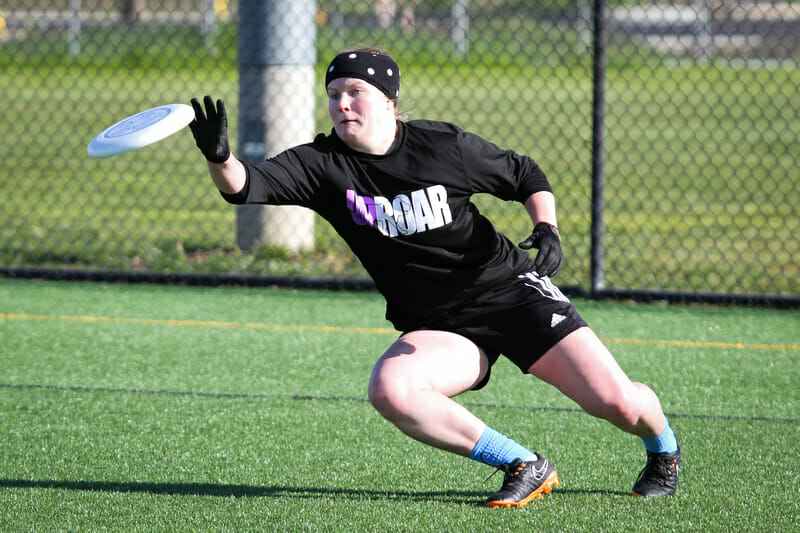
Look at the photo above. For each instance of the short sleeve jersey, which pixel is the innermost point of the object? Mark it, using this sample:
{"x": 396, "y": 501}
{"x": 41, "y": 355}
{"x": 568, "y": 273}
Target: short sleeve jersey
{"x": 408, "y": 217}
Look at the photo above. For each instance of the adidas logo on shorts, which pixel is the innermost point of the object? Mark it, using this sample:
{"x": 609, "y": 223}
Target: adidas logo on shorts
{"x": 556, "y": 319}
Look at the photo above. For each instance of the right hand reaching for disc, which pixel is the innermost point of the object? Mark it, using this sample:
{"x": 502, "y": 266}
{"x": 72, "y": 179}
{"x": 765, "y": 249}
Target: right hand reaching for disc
{"x": 210, "y": 129}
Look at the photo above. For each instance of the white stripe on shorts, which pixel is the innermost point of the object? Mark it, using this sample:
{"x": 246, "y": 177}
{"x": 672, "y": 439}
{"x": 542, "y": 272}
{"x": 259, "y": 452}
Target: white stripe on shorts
{"x": 544, "y": 286}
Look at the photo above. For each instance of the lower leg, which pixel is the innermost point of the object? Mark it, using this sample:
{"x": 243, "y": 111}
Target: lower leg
{"x": 438, "y": 421}
{"x": 644, "y": 416}
{"x": 656, "y": 437}
{"x": 431, "y": 418}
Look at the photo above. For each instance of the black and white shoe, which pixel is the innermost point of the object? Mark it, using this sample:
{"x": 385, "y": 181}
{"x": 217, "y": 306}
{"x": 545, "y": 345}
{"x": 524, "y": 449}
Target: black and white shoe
{"x": 524, "y": 481}
{"x": 659, "y": 477}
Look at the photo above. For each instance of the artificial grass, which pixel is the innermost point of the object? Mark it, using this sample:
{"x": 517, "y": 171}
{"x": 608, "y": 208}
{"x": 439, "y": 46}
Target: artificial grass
{"x": 144, "y": 407}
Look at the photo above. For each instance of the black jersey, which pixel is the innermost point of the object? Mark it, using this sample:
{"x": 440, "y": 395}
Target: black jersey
{"x": 408, "y": 217}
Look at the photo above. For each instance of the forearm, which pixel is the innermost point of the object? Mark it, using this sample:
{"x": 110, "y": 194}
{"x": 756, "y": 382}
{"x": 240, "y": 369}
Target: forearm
{"x": 230, "y": 176}
{"x": 541, "y": 207}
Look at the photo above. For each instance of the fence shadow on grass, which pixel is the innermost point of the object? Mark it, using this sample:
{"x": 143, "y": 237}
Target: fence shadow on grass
{"x": 251, "y": 491}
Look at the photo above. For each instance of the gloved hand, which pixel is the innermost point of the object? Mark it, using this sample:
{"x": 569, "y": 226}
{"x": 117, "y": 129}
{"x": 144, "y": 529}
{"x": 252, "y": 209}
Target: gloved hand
{"x": 546, "y": 238}
{"x": 210, "y": 130}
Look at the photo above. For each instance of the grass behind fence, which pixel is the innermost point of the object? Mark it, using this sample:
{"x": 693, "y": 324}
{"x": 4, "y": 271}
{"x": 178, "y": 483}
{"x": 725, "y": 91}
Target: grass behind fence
{"x": 699, "y": 197}
{"x": 140, "y": 407}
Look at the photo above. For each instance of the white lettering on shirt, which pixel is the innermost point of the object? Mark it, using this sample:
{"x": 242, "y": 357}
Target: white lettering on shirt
{"x": 422, "y": 210}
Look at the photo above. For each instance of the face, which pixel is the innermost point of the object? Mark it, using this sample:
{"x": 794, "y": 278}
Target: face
{"x": 362, "y": 115}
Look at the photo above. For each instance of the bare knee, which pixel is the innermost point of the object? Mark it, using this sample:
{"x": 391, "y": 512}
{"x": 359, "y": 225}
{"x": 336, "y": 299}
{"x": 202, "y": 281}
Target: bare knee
{"x": 381, "y": 395}
{"x": 420, "y": 367}
{"x": 621, "y": 408}
{"x": 390, "y": 394}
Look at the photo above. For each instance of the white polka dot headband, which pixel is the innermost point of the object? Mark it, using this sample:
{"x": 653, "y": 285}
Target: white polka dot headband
{"x": 379, "y": 70}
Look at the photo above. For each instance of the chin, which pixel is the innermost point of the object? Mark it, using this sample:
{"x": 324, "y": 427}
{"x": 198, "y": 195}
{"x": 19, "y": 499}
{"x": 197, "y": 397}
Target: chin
{"x": 348, "y": 138}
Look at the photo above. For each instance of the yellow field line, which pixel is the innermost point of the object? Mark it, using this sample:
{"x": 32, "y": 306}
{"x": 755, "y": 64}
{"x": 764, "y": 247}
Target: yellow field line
{"x": 190, "y": 323}
{"x": 706, "y": 344}
{"x": 380, "y": 331}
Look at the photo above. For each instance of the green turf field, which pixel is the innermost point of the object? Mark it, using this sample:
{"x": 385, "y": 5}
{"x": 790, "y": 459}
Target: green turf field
{"x": 142, "y": 407}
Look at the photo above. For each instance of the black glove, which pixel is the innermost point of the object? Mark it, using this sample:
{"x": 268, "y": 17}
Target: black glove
{"x": 210, "y": 130}
{"x": 546, "y": 238}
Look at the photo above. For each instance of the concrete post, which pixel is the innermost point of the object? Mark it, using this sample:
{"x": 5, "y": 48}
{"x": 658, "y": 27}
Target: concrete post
{"x": 277, "y": 53}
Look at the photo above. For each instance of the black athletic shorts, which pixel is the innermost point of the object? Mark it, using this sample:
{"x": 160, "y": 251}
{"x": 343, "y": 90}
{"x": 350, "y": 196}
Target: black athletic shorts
{"x": 538, "y": 319}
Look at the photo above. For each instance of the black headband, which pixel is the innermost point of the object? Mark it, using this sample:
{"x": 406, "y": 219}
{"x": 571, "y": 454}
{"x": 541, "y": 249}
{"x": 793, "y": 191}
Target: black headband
{"x": 379, "y": 70}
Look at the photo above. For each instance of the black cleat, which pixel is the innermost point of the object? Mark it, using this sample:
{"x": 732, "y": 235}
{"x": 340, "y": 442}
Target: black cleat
{"x": 659, "y": 477}
{"x": 524, "y": 481}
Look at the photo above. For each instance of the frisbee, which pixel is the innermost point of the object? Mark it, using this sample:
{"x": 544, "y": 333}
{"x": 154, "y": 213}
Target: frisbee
{"x": 140, "y": 130}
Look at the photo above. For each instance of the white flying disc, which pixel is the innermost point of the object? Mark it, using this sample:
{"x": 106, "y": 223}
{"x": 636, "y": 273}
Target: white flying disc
{"x": 140, "y": 130}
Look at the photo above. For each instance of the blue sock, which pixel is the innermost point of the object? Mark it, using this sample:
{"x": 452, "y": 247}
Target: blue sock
{"x": 495, "y": 449}
{"x": 664, "y": 443}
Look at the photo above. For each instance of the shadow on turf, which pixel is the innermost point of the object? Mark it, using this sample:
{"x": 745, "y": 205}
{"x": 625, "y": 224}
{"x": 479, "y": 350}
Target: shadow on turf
{"x": 249, "y": 491}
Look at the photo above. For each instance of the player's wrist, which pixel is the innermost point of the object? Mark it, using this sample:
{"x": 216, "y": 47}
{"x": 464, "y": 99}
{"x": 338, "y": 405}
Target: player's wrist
{"x": 219, "y": 158}
{"x": 549, "y": 227}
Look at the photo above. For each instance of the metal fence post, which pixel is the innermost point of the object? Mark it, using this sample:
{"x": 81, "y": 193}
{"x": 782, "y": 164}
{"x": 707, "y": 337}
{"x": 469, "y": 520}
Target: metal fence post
{"x": 582, "y": 27}
{"x": 74, "y": 31}
{"x": 597, "y": 260}
{"x": 703, "y": 34}
{"x": 460, "y": 28}
{"x": 208, "y": 21}
{"x": 277, "y": 53}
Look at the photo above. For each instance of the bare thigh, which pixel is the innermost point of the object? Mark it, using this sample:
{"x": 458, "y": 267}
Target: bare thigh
{"x": 582, "y": 368}
{"x": 445, "y": 362}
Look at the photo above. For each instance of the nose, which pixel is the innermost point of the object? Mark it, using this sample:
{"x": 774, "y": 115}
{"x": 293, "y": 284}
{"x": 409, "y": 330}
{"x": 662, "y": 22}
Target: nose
{"x": 344, "y": 102}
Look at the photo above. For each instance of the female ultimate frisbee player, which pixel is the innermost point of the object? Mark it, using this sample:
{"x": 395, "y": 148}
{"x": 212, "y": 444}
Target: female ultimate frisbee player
{"x": 460, "y": 292}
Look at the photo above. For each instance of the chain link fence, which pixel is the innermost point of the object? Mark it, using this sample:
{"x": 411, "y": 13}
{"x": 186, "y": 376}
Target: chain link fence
{"x": 700, "y": 160}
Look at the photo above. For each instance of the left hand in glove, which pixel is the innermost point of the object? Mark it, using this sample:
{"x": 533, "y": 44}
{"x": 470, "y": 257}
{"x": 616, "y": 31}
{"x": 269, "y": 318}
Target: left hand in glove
{"x": 546, "y": 239}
